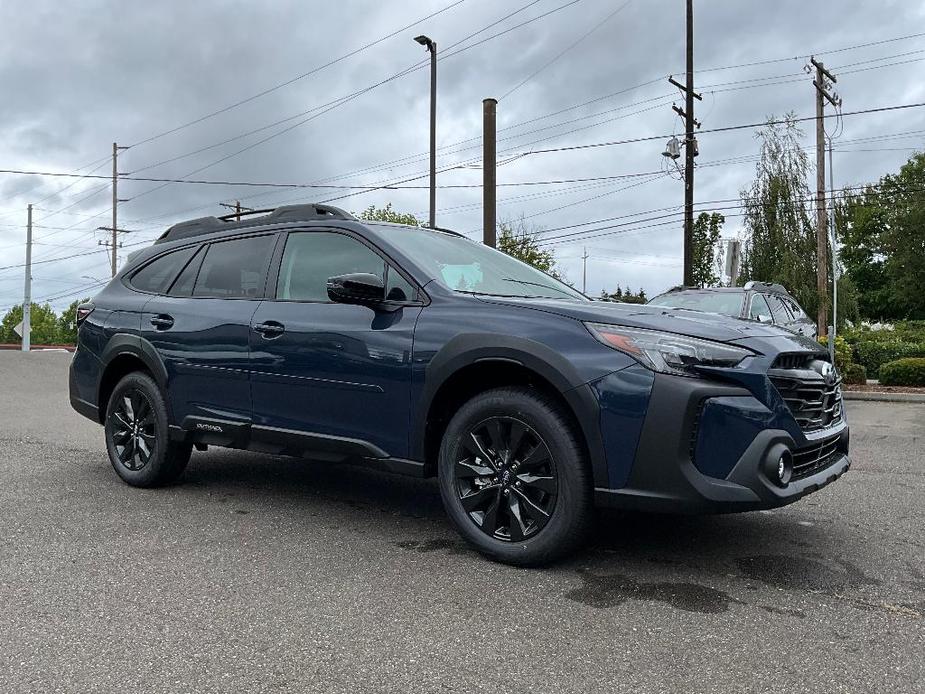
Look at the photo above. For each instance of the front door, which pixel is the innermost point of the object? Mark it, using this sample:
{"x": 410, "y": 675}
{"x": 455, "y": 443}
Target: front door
{"x": 327, "y": 376}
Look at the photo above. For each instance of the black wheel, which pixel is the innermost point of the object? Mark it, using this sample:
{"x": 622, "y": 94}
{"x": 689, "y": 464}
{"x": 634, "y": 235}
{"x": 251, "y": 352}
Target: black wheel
{"x": 137, "y": 435}
{"x": 513, "y": 477}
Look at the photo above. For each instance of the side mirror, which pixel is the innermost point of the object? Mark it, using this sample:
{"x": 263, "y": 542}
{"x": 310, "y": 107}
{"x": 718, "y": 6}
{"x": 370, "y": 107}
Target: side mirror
{"x": 763, "y": 318}
{"x": 356, "y": 288}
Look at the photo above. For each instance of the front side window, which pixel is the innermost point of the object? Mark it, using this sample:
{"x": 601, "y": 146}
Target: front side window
{"x": 759, "y": 308}
{"x": 235, "y": 269}
{"x": 778, "y": 310}
{"x": 156, "y": 276}
{"x": 311, "y": 257}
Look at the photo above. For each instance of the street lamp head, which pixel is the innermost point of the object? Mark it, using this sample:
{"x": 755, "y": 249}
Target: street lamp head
{"x": 425, "y": 41}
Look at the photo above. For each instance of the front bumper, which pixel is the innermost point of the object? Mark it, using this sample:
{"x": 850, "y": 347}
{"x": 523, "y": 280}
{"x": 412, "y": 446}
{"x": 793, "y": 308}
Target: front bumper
{"x": 705, "y": 447}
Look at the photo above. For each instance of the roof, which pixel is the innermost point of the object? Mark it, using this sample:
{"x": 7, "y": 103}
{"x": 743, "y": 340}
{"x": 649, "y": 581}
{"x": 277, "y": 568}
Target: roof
{"x": 287, "y": 213}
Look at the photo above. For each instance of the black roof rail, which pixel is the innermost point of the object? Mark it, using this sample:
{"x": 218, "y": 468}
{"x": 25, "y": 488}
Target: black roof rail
{"x": 767, "y": 286}
{"x": 287, "y": 213}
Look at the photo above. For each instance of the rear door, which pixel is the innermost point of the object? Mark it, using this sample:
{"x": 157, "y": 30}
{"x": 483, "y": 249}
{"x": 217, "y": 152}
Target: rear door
{"x": 779, "y": 312}
{"x": 328, "y": 376}
{"x": 201, "y": 328}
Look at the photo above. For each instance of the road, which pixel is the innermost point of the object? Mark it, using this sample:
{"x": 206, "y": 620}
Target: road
{"x": 266, "y": 574}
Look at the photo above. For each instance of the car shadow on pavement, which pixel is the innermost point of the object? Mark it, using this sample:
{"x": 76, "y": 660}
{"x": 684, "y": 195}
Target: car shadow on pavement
{"x": 779, "y": 548}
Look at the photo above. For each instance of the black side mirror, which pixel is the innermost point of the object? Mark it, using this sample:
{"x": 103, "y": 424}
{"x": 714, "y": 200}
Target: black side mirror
{"x": 356, "y": 288}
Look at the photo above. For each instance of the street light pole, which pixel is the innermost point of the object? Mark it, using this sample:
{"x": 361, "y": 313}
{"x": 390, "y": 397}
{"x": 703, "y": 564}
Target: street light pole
{"x": 432, "y": 48}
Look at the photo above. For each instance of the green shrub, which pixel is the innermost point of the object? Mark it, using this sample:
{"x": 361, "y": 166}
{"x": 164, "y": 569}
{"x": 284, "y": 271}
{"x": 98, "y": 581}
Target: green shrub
{"x": 842, "y": 351}
{"x": 873, "y": 354}
{"x": 903, "y": 372}
{"x": 855, "y": 374}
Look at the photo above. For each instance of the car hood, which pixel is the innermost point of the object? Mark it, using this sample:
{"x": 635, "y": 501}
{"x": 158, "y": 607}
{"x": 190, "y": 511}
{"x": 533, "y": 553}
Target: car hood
{"x": 709, "y": 326}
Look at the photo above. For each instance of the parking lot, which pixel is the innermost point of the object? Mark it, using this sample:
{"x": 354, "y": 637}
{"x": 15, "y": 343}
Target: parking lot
{"x": 260, "y": 573}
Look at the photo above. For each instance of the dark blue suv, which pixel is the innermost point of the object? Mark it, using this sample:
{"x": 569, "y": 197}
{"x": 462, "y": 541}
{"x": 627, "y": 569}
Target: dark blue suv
{"x": 307, "y": 332}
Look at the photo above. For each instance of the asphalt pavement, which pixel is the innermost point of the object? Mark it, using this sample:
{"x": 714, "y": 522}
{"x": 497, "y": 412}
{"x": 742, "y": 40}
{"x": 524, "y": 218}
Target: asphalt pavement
{"x": 270, "y": 574}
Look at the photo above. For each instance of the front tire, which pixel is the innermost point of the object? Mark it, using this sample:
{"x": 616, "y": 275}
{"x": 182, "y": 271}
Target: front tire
{"x": 137, "y": 437}
{"x": 514, "y": 478}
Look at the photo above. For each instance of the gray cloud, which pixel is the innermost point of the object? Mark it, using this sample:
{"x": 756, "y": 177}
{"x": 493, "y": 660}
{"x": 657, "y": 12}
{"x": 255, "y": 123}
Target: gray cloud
{"x": 76, "y": 76}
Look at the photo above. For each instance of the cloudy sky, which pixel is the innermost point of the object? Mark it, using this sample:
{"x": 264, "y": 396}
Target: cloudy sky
{"x": 168, "y": 78}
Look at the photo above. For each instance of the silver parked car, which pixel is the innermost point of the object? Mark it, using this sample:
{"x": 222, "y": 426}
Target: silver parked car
{"x": 760, "y": 301}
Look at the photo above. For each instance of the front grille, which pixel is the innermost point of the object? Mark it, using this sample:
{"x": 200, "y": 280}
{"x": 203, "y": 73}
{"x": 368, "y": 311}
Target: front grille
{"x": 812, "y": 401}
{"x": 818, "y": 456}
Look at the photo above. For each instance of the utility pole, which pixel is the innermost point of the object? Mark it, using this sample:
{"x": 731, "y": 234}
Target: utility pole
{"x": 489, "y": 173}
{"x": 115, "y": 209}
{"x": 27, "y": 291}
{"x": 237, "y": 207}
{"x": 584, "y": 271}
{"x": 690, "y": 146}
{"x": 824, "y": 79}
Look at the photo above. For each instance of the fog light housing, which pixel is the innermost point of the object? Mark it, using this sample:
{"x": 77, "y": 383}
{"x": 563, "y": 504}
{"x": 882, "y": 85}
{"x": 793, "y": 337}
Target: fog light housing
{"x": 778, "y": 465}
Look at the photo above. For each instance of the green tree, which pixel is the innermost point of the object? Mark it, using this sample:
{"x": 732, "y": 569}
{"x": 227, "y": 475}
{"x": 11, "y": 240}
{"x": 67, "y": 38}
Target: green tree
{"x": 387, "y": 214}
{"x": 522, "y": 242}
{"x": 882, "y": 235}
{"x": 67, "y": 323}
{"x": 43, "y": 322}
{"x": 780, "y": 235}
{"x": 705, "y": 237}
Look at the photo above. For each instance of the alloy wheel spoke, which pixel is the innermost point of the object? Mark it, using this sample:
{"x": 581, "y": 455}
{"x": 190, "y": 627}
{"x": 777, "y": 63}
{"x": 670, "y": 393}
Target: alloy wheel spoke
{"x": 543, "y": 483}
{"x": 479, "y": 498}
{"x": 123, "y": 422}
{"x": 498, "y": 440}
{"x": 537, "y": 456}
{"x": 490, "y": 519}
{"x": 516, "y": 529}
{"x": 128, "y": 407}
{"x": 465, "y": 469}
{"x": 475, "y": 446}
{"x": 532, "y": 509}
{"x": 143, "y": 448}
{"x": 518, "y": 430}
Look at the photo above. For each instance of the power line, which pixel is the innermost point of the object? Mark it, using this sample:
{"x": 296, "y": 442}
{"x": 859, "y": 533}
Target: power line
{"x": 296, "y": 78}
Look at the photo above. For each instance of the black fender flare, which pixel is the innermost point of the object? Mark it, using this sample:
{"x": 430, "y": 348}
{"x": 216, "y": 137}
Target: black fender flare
{"x": 472, "y": 348}
{"x": 123, "y": 344}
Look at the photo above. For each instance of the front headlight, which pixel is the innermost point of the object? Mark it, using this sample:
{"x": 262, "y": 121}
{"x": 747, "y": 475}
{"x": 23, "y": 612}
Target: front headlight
{"x": 668, "y": 352}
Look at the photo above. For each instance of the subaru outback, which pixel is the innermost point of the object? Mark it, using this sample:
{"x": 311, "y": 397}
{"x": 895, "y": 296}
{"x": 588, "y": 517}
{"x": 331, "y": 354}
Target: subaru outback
{"x": 304, "y": 331}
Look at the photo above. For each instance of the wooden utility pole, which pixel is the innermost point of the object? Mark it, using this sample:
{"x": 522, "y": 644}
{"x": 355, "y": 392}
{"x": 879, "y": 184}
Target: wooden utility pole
{"x": 690, "y": 146}
{"x": 489, "y": 173}
{"x": 824, "y": 79}
{"x": 689, "y": 152}
{"x": 114, "y": 229}
{"x": 237, "y": 208}
{"x": 27, "y": 290}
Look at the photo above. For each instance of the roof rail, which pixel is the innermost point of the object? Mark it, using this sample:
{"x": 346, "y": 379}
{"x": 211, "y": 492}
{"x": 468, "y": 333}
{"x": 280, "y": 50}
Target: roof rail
{"x": 767, "y": 286}
{"x": 287, "y": 213}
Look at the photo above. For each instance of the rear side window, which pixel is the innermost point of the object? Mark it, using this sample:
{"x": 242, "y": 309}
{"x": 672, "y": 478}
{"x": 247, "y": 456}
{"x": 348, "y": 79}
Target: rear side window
{"x": 778, "y": 310}
{"x": 156, "y": 276}
{"x": 235, "y": 269}
{"x": 795, "y": 309}
{"x": 184, "y": 284}
{"x": 312, "y": 257}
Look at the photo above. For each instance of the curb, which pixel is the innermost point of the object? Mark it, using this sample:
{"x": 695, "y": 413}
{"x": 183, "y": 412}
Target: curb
{"x": 883, "y": 397}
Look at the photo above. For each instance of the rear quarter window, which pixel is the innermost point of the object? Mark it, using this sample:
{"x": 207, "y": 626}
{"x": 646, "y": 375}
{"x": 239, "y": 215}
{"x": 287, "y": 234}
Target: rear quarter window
{"x": 157, "y": 276}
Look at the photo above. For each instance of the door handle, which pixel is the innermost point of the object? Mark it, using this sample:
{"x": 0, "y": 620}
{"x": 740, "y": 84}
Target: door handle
{"x": 162, "y": 321}
{"x": 270, "y": 329}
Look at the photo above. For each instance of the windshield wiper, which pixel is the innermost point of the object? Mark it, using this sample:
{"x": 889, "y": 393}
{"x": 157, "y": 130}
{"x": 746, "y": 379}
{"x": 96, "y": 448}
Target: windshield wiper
{"x": 534, "y": 284}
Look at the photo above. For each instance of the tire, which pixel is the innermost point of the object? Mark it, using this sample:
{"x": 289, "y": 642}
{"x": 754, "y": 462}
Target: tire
{"x": 509, "y": 497}
{"x": 142, "y": 455}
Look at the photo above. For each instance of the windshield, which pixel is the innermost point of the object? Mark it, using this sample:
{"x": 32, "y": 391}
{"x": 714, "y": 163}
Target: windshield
{"x": 471, "y": 267}
{"x": 724, "y": 303}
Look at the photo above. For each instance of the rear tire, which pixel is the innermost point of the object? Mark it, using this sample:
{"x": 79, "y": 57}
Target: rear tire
{"x": 137, "y": 435}
{"x": 514, "y": 478}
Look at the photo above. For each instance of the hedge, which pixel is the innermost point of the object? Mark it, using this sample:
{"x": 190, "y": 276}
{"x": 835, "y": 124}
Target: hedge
{"x": 855, "y": 374}
{"x": 873, "y": 354}
{"x": 903, "y": 372}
